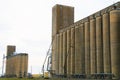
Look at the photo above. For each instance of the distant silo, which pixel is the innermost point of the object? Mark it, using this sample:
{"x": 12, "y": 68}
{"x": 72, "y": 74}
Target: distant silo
{"x": 10, "y": 50}
{"x": 16, "y": 64}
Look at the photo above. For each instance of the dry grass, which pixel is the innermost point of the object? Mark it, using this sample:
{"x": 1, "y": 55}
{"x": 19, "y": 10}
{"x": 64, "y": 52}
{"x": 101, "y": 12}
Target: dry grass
{"x": 19, "y": 79}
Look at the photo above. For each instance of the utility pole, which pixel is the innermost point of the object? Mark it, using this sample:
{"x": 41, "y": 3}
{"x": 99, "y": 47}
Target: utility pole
{"x": 31, "y": 69}
{"x": 3, "y": 65}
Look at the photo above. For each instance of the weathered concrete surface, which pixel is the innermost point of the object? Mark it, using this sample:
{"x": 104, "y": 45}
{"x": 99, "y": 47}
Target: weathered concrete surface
{"x": 99, "y": 44}
{"x": 10, "y": 50}
{"x": 57, "y": 54}
{"x": 87, "y": 47}
{"x": 61, "y": 55}
{"x": 90, "y": 46}
{"x": 93, "y": 45}
{"x": 16, "y": 65}
{"x": 82, "y": 49}
{"x": 115, "y": 41}
{"x": 106, "y": 43}
{"x": 68, "y": 52}
{"x": 77, "y": 50}
{"x": 62, "y": 16}
{"x": 72, "y": 51}
{"x": 54, "y": 55}
{"x": 65, "y": 52}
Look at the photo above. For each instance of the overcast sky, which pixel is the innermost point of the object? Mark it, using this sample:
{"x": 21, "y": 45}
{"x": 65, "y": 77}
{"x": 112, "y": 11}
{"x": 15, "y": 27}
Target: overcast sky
{"x": 27, "y": 24}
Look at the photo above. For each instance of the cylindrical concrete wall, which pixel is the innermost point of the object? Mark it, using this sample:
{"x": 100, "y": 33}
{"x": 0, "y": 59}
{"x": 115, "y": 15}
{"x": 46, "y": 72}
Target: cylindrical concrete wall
{"x": 59, "y": 60}
{"x": 87, "y": 47}
{"x": 93, "y": 44}
{"x": 82, "y": 49}
{"x": 72, "y": 51}
{"x": 99, "y": 44}
{"x": 115, "y": 41}
{"x": 53, "y": 54}
{"x": 106, "y": 43}
{"x": 65, "y": 52}
{"x": 77, "y": 50}
{"x": 61, "y": 55}
{"x": 68, "y": 52}
{"x": 57, "y": 54}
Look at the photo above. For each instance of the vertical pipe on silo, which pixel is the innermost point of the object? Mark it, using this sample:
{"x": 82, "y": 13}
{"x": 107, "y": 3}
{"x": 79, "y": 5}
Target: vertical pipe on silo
{"x": 57, "y": 54}
{"x": 68, "y": 52}
{"x": 72, "y": 51}
{"x": 61, "y": 54}
{"x": 77, "y": 50}
{"x": 115, "y": 41}
{"x": 106, "y": 43}
{"x": 65, "y": 52}
{"x": 93, "y": 44}
{"x": 87, "y": 47}
{"x": 99, "y": 43}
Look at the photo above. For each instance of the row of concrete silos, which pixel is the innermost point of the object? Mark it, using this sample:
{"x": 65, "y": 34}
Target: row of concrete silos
{"x": 90, "y": 45}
